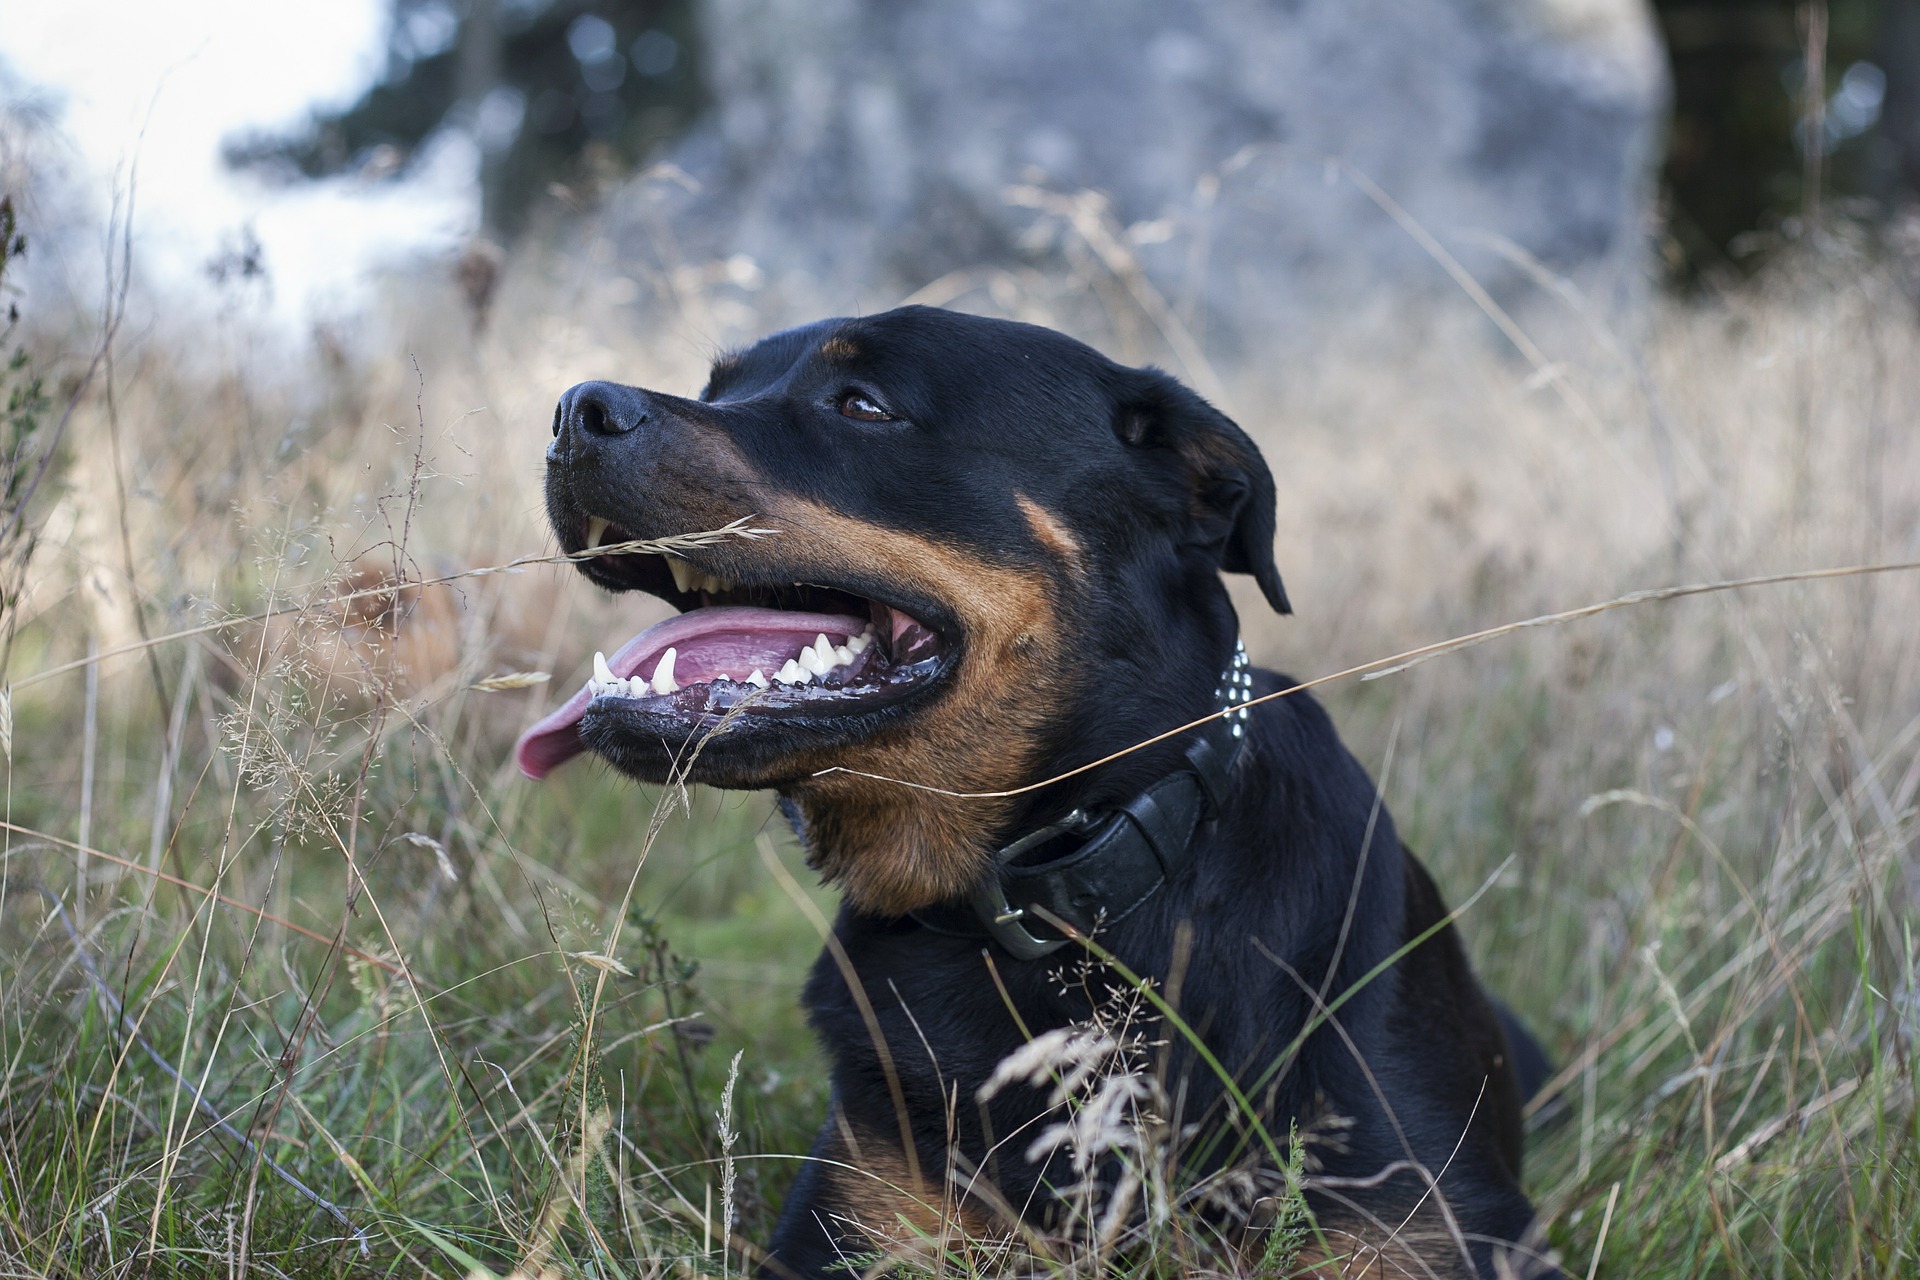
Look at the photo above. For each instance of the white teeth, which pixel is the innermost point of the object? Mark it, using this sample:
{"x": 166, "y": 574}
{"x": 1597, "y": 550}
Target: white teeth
{"x": 812, "y": 662}
{"x": 663, "y": 674}
{"x": 822, "y": 656}
{"x": 605, "y": 683}
{"x": 688, "y": 578}
{"x": 595, "y": 527}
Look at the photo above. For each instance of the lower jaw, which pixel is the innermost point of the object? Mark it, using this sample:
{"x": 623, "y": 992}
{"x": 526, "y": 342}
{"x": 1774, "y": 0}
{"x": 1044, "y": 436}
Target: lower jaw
{"x": 728, "y": 738}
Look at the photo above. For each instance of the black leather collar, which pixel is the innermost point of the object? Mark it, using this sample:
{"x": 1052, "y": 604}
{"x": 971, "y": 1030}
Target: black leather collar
{"x": 1088, "y": 870}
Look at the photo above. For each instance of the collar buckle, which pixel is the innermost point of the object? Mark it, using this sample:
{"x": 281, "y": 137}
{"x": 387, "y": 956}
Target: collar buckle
{"x": 998, "y": 916}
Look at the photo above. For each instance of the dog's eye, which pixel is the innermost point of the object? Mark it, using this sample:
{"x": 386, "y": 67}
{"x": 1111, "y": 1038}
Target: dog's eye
{"x": 860, "y": 405}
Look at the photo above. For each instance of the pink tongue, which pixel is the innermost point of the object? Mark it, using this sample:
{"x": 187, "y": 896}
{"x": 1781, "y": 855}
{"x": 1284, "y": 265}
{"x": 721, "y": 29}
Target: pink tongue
{"x": 712, "y": 642}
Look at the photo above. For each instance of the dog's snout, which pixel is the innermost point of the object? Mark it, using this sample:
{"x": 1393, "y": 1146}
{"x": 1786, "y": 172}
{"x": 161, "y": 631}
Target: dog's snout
{"x": 602, "y": 409}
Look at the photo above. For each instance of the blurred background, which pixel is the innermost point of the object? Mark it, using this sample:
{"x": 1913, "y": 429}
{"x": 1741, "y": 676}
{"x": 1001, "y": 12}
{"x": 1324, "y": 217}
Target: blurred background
{"x": 312, "y": 143}
{"x": 1530, "y": 303}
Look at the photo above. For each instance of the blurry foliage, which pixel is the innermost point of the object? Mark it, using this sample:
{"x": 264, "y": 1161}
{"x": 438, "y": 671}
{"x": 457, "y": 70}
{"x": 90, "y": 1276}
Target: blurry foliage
{"x": 1737, "y": 150}
{"x": 563, "y": 96}
{"x": 553, "y": 92}
{"x": 25, "y": 404}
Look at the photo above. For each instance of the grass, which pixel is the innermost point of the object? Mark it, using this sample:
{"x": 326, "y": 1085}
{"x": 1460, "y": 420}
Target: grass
{"x": 300, "y": 978}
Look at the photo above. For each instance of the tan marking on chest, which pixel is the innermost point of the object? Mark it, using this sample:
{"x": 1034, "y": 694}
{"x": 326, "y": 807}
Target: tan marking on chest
{"x": 869, "y": 1186}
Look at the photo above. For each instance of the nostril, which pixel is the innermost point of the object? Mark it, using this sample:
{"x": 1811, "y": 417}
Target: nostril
{"x": 604, "y": 408}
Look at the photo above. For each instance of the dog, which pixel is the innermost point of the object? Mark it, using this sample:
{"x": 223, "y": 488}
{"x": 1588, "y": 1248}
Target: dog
{"x": 993, "y": 573}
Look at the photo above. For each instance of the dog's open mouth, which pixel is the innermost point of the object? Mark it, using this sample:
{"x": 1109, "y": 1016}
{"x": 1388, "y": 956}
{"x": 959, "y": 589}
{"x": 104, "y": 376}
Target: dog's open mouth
{"x": 793, "y": 651}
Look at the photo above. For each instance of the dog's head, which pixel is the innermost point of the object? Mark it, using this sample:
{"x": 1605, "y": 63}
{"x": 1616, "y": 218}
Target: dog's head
{"x": 996, "y": 555}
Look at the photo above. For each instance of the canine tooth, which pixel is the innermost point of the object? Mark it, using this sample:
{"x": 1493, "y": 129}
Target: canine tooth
{"x": 595, "y": 527}
{"x": 602, "y": 673}
{"x": 663, "y": 674}
{"x": 758, "y": 679}
{"x": 682, "y": 572}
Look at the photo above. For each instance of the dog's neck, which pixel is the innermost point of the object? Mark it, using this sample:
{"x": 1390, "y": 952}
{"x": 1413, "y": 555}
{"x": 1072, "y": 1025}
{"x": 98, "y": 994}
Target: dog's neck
{"x": 1093, "y": 868}
{"x": 980, "y": 782}
{"x": 898, "y": 850}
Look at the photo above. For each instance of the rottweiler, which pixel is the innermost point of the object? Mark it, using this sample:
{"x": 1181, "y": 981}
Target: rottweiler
{"x": 995, "y": 566}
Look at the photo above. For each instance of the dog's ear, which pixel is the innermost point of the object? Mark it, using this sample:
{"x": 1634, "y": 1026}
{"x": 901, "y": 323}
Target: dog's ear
{"x": 1231, "y": 491}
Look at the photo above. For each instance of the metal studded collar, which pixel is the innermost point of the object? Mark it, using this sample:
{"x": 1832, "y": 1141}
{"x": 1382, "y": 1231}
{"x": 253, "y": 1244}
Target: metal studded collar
{"x": 1091, "y": 870}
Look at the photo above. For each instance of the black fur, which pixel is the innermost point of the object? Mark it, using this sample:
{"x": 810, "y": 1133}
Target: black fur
{"x": 1299, "y": 889}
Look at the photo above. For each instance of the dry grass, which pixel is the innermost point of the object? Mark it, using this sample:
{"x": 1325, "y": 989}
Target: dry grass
{"x": 300, "y": 977}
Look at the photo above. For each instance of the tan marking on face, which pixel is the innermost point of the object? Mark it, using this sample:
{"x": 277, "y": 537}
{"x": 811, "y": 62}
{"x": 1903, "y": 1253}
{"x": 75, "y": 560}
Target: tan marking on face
{"x": 1051, "y": 533}
{"x": 892, "y": 848}
{"x": 703, "y": 476}
{"x": 840, "y": 349}
{"x": 895, "y": 849}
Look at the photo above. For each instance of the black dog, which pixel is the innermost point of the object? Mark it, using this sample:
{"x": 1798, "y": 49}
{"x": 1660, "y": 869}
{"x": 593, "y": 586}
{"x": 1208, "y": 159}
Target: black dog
{"x": 997, "y": 561}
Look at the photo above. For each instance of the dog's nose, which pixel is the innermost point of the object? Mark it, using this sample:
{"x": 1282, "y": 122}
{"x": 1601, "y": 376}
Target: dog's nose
{"x": 602, "y": 409}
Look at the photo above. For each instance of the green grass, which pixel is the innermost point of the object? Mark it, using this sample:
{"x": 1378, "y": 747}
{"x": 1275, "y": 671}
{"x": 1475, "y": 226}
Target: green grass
{"x": 1695, "y": 821}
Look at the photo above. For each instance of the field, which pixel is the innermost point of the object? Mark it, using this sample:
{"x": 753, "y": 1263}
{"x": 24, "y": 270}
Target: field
{"x": 302, "y": 978}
